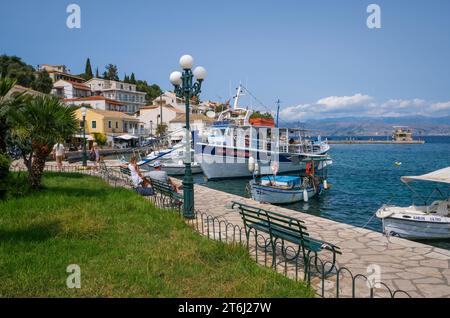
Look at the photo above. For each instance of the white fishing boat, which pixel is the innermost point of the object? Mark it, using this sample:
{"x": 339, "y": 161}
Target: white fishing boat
{"x": 224, "y": 151}
{"x": 281, "y": 190}
{"x": 288, "y": 189}
{"x": 420, "y": 222}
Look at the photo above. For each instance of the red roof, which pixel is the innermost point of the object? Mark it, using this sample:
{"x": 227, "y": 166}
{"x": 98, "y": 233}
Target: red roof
{"x": 93, "y": 98}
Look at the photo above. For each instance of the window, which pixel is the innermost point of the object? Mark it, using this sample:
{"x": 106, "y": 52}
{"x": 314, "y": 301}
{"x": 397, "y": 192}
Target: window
{"x": 117, "y": 124}
{"x": 125, "y": 126}
{"x": 109, "y": 124}
{"x": 121, "y": 86}
{"x": 94, "y": 124}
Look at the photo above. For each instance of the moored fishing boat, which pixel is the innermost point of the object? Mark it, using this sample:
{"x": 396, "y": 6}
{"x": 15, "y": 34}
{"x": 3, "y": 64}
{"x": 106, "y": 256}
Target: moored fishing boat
{"x": 225, "y": 150}
{"x": 287, "y": 189}
{"x": 420, "y": 222}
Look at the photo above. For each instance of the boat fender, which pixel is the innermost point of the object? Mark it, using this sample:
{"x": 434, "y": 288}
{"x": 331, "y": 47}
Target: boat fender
{"x": 305, "y": 195}
{"x": 251, "y": 164}
{"x": 256, "y": 169}
{"x": 309, "y": 169}
{"x": 325, "y": 184}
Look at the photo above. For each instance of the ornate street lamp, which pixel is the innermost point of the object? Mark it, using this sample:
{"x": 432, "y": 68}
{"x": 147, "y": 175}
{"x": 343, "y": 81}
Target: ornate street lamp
{"x": 83, "y": 114}
{"x": 185, "y": 88}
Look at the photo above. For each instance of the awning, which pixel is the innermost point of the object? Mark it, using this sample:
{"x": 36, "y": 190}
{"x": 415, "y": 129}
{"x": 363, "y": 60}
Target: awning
{"x": 126, "y": 137}
{"x": 442, "y": 175}
{"x": 88, "y": 137}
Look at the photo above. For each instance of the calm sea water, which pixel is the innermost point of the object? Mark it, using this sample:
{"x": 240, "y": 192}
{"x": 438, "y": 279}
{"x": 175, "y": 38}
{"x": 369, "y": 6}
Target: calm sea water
{"x": 363, "y": 177}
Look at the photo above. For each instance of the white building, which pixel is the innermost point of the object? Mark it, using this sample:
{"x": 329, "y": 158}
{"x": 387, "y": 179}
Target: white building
{"x": 169, "y": 98}
{"x": 197, "y": 122}
{"x": 152, "y": 116}
{"x": 97, "y": 102}
{"x": 59, "y": 72}
{"x": 69, "y": 89}
{"x": 119, "y": 91}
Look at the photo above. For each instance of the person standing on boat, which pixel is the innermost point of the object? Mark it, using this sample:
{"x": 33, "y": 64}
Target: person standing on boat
{"x": 162, "y": 176}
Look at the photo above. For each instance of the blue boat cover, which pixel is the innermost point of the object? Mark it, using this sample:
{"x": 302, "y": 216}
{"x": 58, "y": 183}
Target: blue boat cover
{"x": 287, "y": 179}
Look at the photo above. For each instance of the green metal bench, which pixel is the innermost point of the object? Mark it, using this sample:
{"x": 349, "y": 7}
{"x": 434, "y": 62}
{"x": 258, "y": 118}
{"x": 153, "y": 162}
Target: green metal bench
{"x": 169, "y": 196}
{"x": 286, "y": 229}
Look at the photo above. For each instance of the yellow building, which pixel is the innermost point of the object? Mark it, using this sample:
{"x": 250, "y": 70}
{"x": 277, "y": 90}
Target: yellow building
{"x": 113, "y": 124}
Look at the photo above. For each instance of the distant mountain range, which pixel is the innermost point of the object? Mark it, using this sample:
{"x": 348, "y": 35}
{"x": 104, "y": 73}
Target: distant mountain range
{"x": 381, "y": 126}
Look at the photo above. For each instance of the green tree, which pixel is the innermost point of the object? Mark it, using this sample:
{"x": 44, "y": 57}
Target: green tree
{"x": 132, "y": 79}
{"x": 161, "y": 129}
{"x": 126, "y": 79}
{"x": 14, "y": 68}
{"x": 36, "y": 127}
{"x": 100, "y": 138}
{"x": 6, "y": 84}
{"x": 152, "y": 91}
{"x": 7, "y": 102}
{"x": 112, "y": 72}
{"x": 96, "y": 73}
{"x": 88, "y": 70}
{"x": 42, "y": 83}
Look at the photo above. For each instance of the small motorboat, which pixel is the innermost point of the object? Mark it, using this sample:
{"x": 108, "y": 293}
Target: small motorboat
{"x": 175, "y": 168}
{"x": 171, "y": 160}
{"x": 420, "y": 222}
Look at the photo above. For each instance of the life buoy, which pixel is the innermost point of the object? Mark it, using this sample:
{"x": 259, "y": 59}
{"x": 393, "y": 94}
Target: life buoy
{"x": 309, "y": 169}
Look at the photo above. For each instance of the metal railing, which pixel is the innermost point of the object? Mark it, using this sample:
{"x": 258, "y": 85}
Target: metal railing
{"x": 341, "y": 283}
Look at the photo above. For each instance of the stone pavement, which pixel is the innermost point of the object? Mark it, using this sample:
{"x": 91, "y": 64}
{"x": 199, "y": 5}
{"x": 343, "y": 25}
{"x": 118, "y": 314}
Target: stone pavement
{"x": 419, "y": 269}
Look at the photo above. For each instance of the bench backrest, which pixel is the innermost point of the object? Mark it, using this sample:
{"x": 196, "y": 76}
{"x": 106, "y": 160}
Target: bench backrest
{"x": 251, "y": 215}
{"x": 162, "y": 187}
{"x": 281, "y": 224}
{"x": 125, "y": 171}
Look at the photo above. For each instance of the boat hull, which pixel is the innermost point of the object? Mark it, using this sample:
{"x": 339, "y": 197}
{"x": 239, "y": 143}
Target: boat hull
{"x": 277, "y": 196}
{"x": 177, "y": 170}
{"x": 216, "y": 167}
{"x": 417, "y": 229}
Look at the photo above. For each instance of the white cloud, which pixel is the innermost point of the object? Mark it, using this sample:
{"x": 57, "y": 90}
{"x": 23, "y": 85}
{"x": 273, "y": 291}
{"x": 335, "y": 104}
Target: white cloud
{"x": 361, "y": 105}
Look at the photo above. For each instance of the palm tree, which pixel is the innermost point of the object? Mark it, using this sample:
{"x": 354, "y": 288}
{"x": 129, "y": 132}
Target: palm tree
{"x": 6, "y": 84}
{"x": 38, "y": 125}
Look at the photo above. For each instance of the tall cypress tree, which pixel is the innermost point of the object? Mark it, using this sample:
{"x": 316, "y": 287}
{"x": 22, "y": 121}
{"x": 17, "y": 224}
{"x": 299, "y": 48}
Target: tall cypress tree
{"x": 88, "y": 70}
{"x": 132, "y": 79}
{"x": 96, "y": 73}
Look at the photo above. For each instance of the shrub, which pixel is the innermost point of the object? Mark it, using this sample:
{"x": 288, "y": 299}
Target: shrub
{"x": 258, "y": 114}
{"x": 5, "y": 162}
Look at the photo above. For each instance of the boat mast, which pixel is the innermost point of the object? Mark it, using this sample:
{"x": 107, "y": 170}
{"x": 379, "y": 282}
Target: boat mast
{"x": 278, "y": 110}
{"x": 236, "y": 98}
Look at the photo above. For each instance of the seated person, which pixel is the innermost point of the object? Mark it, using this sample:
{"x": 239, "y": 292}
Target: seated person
{"x": 162, "y": 176}
{"x": 136, "y": 175}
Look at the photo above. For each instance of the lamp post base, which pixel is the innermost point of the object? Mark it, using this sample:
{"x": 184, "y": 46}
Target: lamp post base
{"x": 188, "y": 193}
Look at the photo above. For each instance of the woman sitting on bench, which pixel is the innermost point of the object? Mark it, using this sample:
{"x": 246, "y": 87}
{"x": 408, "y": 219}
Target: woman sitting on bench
{"x": 136, "y": 175}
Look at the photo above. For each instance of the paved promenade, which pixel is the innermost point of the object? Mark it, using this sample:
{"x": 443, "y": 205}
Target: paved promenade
{"x": 419, "y": 269}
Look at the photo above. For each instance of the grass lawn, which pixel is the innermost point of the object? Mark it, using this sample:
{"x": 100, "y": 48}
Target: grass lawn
{"x": 124, "y": 246}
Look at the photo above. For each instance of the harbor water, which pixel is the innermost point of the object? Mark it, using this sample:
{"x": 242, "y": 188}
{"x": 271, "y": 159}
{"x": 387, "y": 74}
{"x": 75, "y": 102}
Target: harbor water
{"x": 363, "y": 177}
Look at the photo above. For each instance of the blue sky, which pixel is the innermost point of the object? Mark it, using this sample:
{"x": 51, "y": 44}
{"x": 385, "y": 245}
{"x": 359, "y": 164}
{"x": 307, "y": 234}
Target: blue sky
{"x": 318, "y": 57}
